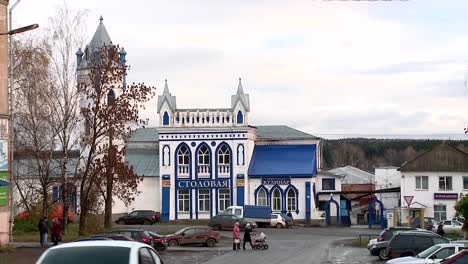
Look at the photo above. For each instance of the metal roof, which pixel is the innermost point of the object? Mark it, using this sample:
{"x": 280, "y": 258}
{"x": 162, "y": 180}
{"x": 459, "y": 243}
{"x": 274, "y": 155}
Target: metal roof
{"x": 147, "y": 134}
{"x": 101, "y": 37}
{"x": 353, "y": 175}
{"x": 281, "y": 133}
{"x": 145, "y": 162}
{"x": 283, "y": 161}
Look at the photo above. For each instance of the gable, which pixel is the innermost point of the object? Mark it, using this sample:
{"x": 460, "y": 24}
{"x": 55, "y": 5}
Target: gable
{"x": 442, "y": 157}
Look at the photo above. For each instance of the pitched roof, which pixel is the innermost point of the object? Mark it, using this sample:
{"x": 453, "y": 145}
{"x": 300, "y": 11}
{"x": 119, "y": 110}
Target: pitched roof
{"x": 442, "y": 157}
{"x": 353, "y": 175}
{"x": 147, "y": 134}
{"x": 281, "y": 133}
{"x": 101, "y": 37}
{"x": 145, "y": 162}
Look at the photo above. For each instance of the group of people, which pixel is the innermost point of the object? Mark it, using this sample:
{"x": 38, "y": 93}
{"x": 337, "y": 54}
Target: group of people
{"x": 55, "y": 230}
{"x": 236, "y": 236}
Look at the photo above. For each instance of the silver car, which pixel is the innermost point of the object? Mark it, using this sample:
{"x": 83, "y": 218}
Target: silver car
{"x": 278, "y": 221}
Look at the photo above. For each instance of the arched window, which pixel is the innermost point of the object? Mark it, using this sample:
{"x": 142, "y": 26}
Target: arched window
{"x": 291, "y": 200}
{"x": 165, "y": 119}
{"x": 183, "y": 158}
{"x": 240, "y": 117}
{"x": 166, "y": 156}
{"x": 276, "y": 200}
{"x": 240, "y": 155}
{"x": 203, "y": 156}
{"x": 224, "y": 155}
{"x": 262, "y": 197}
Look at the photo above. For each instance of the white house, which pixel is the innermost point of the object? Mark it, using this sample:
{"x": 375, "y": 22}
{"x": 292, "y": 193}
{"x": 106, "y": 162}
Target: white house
{"x": 433, "y": 182}
{"x": 388, "y": 177}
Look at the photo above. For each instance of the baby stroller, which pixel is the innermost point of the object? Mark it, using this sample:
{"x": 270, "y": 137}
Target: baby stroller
{"x": 258, "y": 241}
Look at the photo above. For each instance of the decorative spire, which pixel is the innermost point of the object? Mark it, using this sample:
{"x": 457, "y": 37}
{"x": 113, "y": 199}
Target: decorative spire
{"x": 101, "y": 19}
{"x": 101, "y": 37}
{"x": 240, "y": 90}
{"x": 166, "y": 88}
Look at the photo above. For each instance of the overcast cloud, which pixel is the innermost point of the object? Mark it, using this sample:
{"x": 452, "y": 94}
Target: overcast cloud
{"x": 325, "y": 67}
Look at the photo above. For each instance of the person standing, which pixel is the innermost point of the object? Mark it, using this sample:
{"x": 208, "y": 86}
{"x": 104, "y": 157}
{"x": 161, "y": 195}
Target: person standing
{"x": 440, "y": 229}
{"x": 236, "y": 237}
{"x": 247, "y": 237}
{"x": 43, "y": 230}
{"x": 56, "y": 231}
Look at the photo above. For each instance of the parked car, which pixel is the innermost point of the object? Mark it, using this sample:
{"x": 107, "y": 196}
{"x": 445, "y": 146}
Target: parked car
{"x": 97, "y": 252}
{"x": 251, "y": 213}
{"x": 451, "y": 225}
{"x": 280, "y": 220}
{"x": 459, "y": 258}
{"x": 380, "y": 249}
{"x": 194, "y": 235}
{"x": 410, "y": 243}
{"x": 106, "y": 237}
{"x": 460, "y": 219}
{"x": 139, "y": 217}
{"x": 159, "y": 241}
{"x": 138, "y": 235}
{"x": 429, "y": 223}
{"x": 434, "y": 254}
{"x": 227, "y": 221}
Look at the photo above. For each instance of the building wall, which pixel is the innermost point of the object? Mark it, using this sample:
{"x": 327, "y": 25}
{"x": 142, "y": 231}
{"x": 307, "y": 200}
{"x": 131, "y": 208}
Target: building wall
{"x": 148, "y": 199}
{"x": 388, "y": 178}
{"x": 426, "y": 197}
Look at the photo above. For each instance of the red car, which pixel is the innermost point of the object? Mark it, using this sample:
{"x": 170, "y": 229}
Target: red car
{"x": 194, "y": 235}
{"x": 459, "y": 258}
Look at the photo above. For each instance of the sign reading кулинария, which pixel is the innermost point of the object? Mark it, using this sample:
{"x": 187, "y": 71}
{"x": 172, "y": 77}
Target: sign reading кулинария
{"x": 276, "y": 181}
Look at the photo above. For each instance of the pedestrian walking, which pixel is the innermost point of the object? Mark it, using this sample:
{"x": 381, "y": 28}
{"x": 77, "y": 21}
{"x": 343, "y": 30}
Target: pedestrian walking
{"x": 247, "y": 237}
{"x": 56, "y": 231}
{"x": 43, "y": 231}
{"x": 440, "y": 229}
{"x": 236, "y": 237}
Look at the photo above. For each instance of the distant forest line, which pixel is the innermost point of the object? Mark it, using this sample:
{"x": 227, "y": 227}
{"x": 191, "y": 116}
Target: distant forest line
{"x": 366, "y": 154}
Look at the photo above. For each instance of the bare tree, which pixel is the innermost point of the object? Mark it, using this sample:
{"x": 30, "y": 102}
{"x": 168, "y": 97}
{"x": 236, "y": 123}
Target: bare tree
{"x": 109, "y": 110}
{"x": 66, "y": 32}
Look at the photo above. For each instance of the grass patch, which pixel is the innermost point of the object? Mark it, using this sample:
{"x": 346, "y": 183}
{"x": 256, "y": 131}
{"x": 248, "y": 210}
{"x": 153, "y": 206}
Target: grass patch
{"x": 362, "y": 243}
{"x": 6, "y": 249}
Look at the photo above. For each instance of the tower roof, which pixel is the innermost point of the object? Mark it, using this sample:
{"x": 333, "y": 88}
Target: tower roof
{"x": 240, "y": 90}
{"x": 101, "y": 37}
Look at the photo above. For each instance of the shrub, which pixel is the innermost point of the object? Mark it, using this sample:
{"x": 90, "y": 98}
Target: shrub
{"x": 26, "y": 225}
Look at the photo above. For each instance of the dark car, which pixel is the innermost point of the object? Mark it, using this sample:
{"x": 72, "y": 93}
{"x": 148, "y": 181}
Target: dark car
{"x": 388, "y": 233}
{"x": 139, "y": 217}
{"x": 194, "y": 235}
{"x": 139, "y": 235}
{"x": 410, "y": 243}
{"x": 106, "y": 237}
{"x": 227, "y": 221}
{"x": 159, "y": 241}
{"x": 459, "y": 258}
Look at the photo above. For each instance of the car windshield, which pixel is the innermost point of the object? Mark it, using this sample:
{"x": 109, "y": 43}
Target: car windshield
{"x": 426, "y": 253}
{"x": 88, "y": 255}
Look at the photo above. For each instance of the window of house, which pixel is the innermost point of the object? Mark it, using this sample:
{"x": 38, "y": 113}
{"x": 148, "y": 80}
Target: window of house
{"x": 291, "y": 200}
{"x": 422, "y": 182}
{"x": 240, "y": 117}
{"x": 203, "y": 156}
{"x": 224, "y": 155}
{"x": 276, "y": 200}
{"x": 440, "y": 212}
{"x": 328, "y": 184}
{"x": 465, "y": 182}
{"x": 204, "y": 200}
{"x": 165, "y": 119}
{"x": 224, "y": 199}
{"x": 183, "y": 156}
{"x": 445, "y": 183}
{"x": 184, "y": 201}
{"x": 262, "y": 197}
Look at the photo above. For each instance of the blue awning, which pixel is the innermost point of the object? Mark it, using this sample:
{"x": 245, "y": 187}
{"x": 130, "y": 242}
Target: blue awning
{"x": 283, "y": 161}
{"x": 4, "y": 183}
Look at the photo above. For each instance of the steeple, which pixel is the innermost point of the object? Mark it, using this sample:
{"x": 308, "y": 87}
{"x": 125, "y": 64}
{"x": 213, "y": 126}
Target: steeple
{"x": 241, "y": 97}
{"x": 167, "y": 98}
{"x": 240, "y": 90}
{"x": 101, "y": 37}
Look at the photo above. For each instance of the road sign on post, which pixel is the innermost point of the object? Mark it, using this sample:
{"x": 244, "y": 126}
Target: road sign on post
{"x": 408, "y": 200}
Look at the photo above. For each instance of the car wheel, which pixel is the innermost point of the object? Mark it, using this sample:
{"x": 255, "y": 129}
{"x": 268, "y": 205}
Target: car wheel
{"x": 279, "y": 225}
{"x": 383, "y": 254}
{"x": 217, "y": 227}
{"x": 210, "y": 242}
{"x": 147, "y": 222}
{"x": 121, "y": 222}
{"x": 173, "y": 243}
{"x": 160, "y": 247}
{"x": 265, "y": 246}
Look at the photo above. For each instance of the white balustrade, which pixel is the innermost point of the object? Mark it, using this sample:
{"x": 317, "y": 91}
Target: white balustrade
{"x": 224, "y": 170}
{"x": 183, "y": 170}
{"x": 203, "y": 170}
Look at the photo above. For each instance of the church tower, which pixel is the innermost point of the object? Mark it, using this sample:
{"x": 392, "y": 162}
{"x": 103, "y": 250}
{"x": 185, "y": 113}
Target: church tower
{"x": 240, "y": 106}
{"x": 166, "y": 107}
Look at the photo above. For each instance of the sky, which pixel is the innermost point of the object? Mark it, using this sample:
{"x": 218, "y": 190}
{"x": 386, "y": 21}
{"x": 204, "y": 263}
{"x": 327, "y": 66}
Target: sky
{"x": 328, "y": 68}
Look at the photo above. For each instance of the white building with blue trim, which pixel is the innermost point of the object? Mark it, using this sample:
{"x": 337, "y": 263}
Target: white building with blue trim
{"x": 197, "y": 162}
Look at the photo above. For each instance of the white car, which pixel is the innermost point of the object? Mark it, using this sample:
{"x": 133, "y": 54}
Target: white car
{"x": 102, "y": 251}
{"x": 434, "y": 254}
{"x": 276, "y": 220}
{"x": 451, "y": 225}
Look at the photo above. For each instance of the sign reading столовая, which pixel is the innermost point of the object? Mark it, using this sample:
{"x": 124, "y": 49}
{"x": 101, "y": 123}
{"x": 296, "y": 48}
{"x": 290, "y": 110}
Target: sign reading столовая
{"x": 203, "y": 184}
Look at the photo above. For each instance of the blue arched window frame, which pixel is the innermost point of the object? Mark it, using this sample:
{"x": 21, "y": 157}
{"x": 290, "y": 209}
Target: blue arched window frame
{"x": 261, "y": 187}
{"x": 285, "y": 197}
{"x": 272, "y": 190}
{"x": 240, "y": 117}
{"x": 165, "y": 119}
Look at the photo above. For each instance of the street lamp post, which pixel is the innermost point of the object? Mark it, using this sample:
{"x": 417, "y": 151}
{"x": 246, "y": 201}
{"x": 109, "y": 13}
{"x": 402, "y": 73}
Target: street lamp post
{"x": 110, "y": 165}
